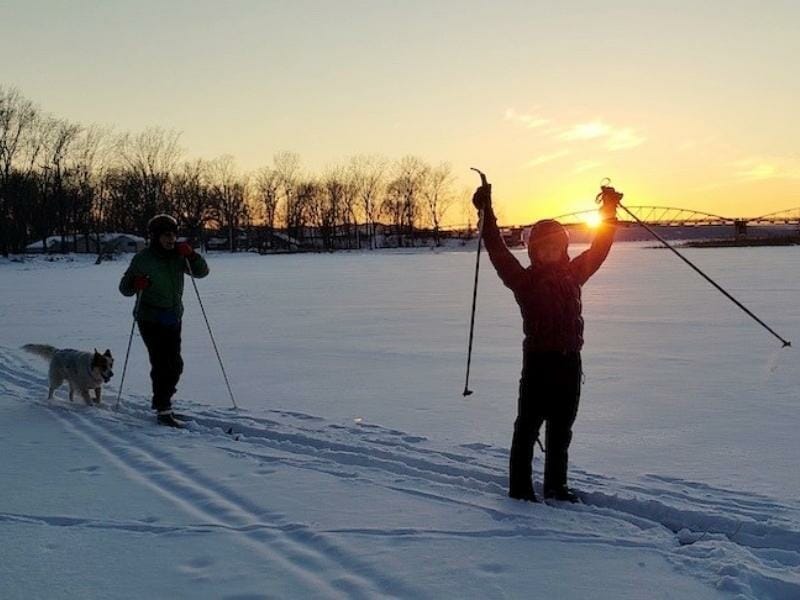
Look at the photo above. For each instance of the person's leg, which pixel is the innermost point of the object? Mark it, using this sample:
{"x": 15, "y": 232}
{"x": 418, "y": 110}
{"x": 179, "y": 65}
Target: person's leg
{"x": 567, "y": 390}
{"x": 526, "y": 429}
{"x": 173, "y": 360}
{"x": 156, "y": 340}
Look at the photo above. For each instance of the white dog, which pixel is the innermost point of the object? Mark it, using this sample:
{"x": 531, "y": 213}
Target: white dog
{"x": 83, "y": 371}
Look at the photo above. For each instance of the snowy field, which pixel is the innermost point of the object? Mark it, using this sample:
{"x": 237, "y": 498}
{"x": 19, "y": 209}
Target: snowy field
{"x": 357, "y": 470}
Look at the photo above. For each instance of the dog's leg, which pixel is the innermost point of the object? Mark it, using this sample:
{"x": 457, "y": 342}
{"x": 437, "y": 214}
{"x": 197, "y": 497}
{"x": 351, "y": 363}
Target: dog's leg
{"x": 85, "y": 396}
{"x": 97, "y": 394}
{"x": 71, "y": 392}
{"x": 55, "y": 382}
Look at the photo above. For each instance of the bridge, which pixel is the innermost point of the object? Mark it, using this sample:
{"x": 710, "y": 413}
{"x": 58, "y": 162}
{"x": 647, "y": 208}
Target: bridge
{"x": 666, "y": 216}
{"x": 660, "y": 216}
{"x": 782, "y": 217}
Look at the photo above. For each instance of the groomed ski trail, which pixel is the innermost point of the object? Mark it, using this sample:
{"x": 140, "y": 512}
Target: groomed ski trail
{"x": 740, "y": 542}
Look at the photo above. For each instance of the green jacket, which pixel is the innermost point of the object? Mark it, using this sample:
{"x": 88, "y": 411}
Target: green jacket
{"x": 162, "y": 301}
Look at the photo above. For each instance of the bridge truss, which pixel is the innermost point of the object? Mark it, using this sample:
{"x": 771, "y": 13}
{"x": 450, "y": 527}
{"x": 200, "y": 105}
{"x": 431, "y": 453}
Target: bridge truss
{"x": 666, "y": 216}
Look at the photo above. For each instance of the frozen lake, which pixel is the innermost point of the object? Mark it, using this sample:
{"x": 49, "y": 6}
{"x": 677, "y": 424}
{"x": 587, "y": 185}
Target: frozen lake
{"x": 679, "y": 382}
{"x": 355, "y": 468}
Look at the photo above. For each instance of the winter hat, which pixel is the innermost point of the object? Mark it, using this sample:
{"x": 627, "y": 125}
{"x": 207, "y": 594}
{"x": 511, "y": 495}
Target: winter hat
{"x": 548, "y": 230}
{"x": 162, "y": 224}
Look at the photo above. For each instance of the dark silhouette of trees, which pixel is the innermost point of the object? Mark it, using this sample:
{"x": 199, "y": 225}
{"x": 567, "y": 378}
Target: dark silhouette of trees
{"x": 63, "y": 185}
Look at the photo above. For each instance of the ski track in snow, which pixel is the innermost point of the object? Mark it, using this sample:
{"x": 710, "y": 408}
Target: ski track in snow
{"x": 743, "y": 543}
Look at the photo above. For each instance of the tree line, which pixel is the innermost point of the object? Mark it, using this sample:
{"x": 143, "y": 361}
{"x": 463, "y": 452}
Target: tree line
{"x": 59, "y": 178}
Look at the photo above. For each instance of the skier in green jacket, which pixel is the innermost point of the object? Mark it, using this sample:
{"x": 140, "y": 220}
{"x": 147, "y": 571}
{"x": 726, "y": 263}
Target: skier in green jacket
{"x": 157, "y": 274}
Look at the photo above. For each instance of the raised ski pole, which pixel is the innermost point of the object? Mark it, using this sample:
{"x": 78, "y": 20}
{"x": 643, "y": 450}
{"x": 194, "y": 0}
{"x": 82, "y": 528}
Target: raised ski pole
{"x": 208, "y": 325}
{"x": 128, "y": 351}
{"x": 484, "y": 183}
{"x": 605, "y": 188}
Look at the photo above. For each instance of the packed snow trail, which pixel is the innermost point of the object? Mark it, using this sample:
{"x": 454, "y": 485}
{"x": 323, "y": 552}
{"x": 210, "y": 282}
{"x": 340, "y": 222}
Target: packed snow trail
{"x": 740, "y": 543}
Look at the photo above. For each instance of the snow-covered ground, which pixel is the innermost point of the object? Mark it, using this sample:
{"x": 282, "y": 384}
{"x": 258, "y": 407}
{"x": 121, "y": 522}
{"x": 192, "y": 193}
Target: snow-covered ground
{"x": 356, "y": 469}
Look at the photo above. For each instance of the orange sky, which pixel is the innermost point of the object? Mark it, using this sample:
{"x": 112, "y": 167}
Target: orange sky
{"x": 681, "y": 103}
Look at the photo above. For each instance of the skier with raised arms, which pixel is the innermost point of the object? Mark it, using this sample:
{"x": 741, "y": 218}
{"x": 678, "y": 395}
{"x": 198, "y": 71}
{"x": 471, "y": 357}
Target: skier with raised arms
{"x": 549, "y": 296}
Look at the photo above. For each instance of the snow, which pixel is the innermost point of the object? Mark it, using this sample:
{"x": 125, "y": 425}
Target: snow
{"x": 355, "y": 467}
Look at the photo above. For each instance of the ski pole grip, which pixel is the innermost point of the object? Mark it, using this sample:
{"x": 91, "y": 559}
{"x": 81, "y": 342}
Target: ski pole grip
{"x": 484, "y": 181}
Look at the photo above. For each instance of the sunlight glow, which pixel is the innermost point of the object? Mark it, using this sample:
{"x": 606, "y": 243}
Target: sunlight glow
{"x": 593, "y": 219}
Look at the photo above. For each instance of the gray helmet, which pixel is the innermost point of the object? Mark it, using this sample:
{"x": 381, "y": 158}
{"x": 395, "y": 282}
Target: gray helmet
{"x": 162, "y": 224}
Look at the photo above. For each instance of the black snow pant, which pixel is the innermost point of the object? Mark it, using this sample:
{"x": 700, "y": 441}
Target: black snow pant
{"x": 549, "y": 390}
{"x": 166, "y": 365}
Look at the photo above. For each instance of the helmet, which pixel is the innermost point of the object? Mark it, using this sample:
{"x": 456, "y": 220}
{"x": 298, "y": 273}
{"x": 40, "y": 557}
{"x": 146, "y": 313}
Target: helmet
{"x": 549, "y": 230}
{"x": 162, "y": 224}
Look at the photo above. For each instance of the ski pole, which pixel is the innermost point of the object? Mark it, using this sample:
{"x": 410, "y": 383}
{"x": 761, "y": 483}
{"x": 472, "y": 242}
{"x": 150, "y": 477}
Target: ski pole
{"x": 786, "y": 343}
{"x": 128, "y": 351}
{"x": 484, "y": 183}
{"x": 208, "y": 325}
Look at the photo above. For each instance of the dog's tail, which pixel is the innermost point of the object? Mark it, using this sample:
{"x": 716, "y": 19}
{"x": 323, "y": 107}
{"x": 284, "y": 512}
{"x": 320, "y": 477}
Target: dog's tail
{"x": 42, "y": 350}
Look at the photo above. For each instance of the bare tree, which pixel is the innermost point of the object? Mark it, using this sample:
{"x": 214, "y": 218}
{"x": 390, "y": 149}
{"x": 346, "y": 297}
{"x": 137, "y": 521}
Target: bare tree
{"x": 91, "y": 157}
{"x": 192, "y": 197}
{"x": 228, "y": 193}
{"x": 267, "y": 182}
{"x": 287, "y": 166}
{"x": 17, "y": 119}
{"x": 406, "y": 188}
{"x": 335, "y": 186}
{"x": 438, "y": 194}
{"x": 18, "y": 145}
{"x": 393, "y": 208}
{"x": 57, "y": 169}
{"x": 368, "y": 175}
{"x": 150, "y": 158}
{"x": 306, "y": 198}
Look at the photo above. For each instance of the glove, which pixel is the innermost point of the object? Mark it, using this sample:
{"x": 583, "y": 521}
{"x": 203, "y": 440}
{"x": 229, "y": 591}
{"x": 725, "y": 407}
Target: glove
{"x": 610, "y": 199}
{"x": 141, "y": 282}
{"x": 482, "y": 198}
{"x": 184, "y": 249}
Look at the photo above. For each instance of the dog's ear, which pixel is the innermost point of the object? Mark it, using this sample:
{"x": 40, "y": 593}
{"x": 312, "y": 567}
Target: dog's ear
{"x": 96, "y": 352}
{"x": 107, "y": 352}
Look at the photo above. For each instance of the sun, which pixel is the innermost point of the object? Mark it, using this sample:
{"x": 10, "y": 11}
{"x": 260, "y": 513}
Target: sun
{"x": 593, "y": 219}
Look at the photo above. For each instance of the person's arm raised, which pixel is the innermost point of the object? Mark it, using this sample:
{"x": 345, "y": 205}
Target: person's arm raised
{"x": 511, "y": 273}
{"x": 586, "y": 264}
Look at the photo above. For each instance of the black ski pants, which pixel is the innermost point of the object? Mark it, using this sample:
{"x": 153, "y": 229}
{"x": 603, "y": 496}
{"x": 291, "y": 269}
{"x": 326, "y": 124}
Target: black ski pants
{"x": 549, "y": 390}
{"x": 166, "y": 365}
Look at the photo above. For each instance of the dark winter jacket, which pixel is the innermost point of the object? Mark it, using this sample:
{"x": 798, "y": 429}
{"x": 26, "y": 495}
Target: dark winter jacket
{"x": 549, "y": 296}
{"x": 162, "y": 301}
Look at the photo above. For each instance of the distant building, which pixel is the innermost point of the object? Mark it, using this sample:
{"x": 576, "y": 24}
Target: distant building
{"x": 110, "y": 243}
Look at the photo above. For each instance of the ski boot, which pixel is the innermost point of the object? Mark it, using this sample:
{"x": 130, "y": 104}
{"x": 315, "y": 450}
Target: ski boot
{"x": 528, "y": 495}
{"x": 561, "y": 494}
{"x": 168, "y": 419}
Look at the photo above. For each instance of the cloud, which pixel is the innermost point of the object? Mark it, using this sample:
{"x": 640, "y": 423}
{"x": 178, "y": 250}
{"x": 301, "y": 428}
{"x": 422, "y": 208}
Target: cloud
{"x": 586, "y": 165}
{"x": 615, "y": 138}
{"x": 622, "y": 139}
{"x": 529, "y": 121}
{"x": 545, "y": 158}
{"x": 586, "y": 131}
{"x": 762, "y": 169}
{"x": 757, "y": 169}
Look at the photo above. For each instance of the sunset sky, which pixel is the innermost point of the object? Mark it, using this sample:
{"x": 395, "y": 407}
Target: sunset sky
{"x": 690, "y": 104}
